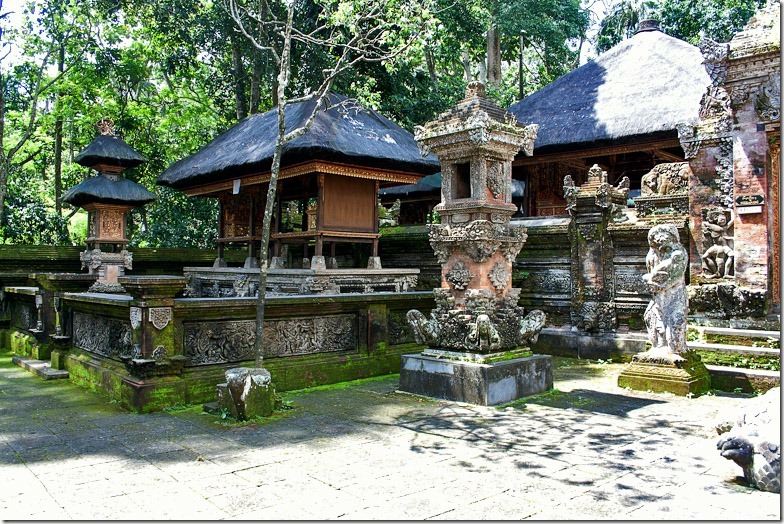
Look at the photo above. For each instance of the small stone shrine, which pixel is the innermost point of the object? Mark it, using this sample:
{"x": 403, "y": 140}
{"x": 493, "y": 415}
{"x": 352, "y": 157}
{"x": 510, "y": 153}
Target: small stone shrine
{"x": 107, "y": 198}
{"x": 668, "y": 365}
{"x": 477, "y": 333}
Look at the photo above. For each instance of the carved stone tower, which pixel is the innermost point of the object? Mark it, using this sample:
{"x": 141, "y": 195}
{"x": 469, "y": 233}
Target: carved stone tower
{"x": 593, "y": 207}
{"x": 107, "y": 198}
{"x": 476, "y": 318}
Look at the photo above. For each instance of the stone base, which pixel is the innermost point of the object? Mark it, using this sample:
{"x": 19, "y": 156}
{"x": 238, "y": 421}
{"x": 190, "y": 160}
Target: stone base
{"x": 680, "y": 377}
{"x": 474, "y": 383}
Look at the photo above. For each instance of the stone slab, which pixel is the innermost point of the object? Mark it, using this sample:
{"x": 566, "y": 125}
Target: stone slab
{"x": 40, "y": 368}
{"x": 565, "y": 342}
{"x": 689, "y": 378}
{"x": 481, "y": 384}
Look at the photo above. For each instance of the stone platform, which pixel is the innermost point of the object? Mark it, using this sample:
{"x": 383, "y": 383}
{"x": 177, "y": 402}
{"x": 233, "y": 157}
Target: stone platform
{"x": 476, "y": 383}
{"x": 681, "y": 377}
{"x": 240, "y": 282}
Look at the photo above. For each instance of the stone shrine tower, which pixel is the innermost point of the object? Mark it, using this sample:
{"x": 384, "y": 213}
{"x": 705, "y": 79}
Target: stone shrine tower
{"x": 107, "y": 198}
{"x": 477, "y": 329}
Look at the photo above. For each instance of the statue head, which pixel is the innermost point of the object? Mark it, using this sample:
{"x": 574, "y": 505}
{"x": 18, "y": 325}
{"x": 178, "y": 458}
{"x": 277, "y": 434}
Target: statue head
{"x": 663, "y": 235}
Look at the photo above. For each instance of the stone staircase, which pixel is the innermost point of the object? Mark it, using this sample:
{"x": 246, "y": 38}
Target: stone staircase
{"x": 42, "y": 368}
{"x": 752, "y": 348}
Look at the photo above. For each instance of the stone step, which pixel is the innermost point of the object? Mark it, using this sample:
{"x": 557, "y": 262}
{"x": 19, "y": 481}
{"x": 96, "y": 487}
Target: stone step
{"x": 728, "y": 378}
{"x": 747, "y": 333}
{"x": 42, "y": 368}
{"x": 733, "y": 348}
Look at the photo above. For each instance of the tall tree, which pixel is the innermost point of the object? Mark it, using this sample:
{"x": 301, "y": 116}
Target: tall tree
{"x": 351, "y": 32}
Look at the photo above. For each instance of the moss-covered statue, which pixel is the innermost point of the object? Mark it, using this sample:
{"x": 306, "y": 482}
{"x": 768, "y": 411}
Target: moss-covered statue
{"x": 665, "y": 316}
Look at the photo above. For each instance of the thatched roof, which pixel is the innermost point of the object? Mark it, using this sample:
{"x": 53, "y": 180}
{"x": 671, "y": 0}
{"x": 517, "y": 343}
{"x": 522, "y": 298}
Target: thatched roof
{"x": 102, "y": 190}
{"x": 344, "y": 133}
{"x": 110, "y": 150}
{"x": 640, "y": 89}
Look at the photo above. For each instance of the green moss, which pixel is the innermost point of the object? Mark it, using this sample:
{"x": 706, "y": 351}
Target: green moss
{"x": 740, "y": 360}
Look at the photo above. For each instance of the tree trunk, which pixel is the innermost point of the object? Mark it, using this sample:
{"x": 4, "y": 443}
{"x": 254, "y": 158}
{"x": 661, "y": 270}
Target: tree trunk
{"x": 255, "y": 82}
{"x": 269, "y": 206}
{"x": 241, "y": 102}
{"x": 431, "y": 67}
{"x": 493, "y": 56}
{"x": 58, "y": 139}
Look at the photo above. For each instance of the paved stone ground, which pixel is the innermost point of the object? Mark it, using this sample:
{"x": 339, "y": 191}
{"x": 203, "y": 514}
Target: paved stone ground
{"x": 360, "y": 451}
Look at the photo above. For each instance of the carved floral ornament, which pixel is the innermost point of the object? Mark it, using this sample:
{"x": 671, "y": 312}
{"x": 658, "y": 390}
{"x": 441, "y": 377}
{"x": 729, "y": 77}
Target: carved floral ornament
{"x": 136, "y": 317}
{"x": 499, "y": 276}
{"x": 160, "y": 317}
{"x": 459, "y": 276}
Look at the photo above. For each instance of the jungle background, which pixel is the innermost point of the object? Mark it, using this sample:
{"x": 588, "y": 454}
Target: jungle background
{"x": 173, "y": 74}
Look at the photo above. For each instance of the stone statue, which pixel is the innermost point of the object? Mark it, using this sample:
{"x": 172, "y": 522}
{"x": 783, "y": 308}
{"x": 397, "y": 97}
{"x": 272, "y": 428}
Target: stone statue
{"x": 718, "y": 260}
{"x": 666, "y": 179}
{"x": 752, "y": 440}
{"x": 666, "y": 314}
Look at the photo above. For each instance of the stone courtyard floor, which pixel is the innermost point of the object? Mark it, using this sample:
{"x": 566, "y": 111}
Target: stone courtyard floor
{"x": 587, "y": 450}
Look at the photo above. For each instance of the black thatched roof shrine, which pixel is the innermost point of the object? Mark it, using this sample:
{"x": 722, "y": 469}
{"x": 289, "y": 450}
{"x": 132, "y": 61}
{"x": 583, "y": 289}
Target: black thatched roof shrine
{"x": 642, "y": 87}
{"x": 109, "y": 149}
{"x": 431, "y": 185}
{"x": 344, "y": 133}
{"x": 102, "y": 190}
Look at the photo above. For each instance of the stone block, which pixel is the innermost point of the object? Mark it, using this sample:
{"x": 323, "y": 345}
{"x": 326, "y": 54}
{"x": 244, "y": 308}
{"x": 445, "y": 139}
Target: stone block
{"x": 247, "y": 393}
{"x": 682, "y": 377}
{"x": 474, "y": 383}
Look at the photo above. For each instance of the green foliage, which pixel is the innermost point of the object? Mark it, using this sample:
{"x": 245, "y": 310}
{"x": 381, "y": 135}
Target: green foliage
{"x": 27, "y": 219}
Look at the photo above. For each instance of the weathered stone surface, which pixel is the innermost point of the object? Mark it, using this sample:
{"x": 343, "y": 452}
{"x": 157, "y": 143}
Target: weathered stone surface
{"x": 247, "y": 393}
{"x": 483, "y": 384}
{"x": 753, "y": 441}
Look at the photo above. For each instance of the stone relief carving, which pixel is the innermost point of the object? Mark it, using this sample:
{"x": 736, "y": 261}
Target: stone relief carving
{"x": 570, "y": 194}
{"x": 398, "y": 328}
{"x": 499, "y": 276}
{"x": 459, "y": 276}
{"x": 495, "y": 179}
{"x": 232, "y": 341}
{"x": 594, "y": 317}
{"x": 160, "y": 353}
{"x": 106, "y": 336}
{"x": 631, "y": 283}
{"x": 725, "y": 179}
{"x": 665, "y": 316}
{"x": 715, "y": 55}
{"x": 136, "y": 317}
{"x": 768, "y": 102}
{"x": 22, "y": 315}
{"x": 666, "y": 179}
{"x": 479, "y": 239}
{"x": 716, "y": 103}
{"x": 552, "y": 281}
{"x": 588, "y": 231}
{"x": 688, "y": 139}
{"x": 160, "y": 317}
{"x": 718, "y": 257}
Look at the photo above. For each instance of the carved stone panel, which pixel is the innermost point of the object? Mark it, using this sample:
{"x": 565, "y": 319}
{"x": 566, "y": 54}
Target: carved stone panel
{"x": 110, "y": 337}
{"x": 160, "y": 317}
{"x": 232, "y": 341}
{"x": 399, "y": 329}
{"x": 22, "y": 315}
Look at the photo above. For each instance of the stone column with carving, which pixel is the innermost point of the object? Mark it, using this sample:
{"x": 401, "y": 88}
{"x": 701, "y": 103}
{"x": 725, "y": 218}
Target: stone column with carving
{"x": 156, "y": 350}
{"x": 477, "y": 320}
{"x": 593, "y": 207}
{"x": 668, "y": 365}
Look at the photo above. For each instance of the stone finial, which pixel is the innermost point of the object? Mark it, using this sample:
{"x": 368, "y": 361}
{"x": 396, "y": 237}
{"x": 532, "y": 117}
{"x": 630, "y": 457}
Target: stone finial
{"x": 649, "y": 24}
{"x": 105, "y": 126}
{"x": 475, "y": 89}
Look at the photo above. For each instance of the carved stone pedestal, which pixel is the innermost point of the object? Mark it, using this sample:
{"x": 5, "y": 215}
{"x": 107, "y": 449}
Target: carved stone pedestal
{"x": 475, "y": 383}
{"x": 680, "y": 376}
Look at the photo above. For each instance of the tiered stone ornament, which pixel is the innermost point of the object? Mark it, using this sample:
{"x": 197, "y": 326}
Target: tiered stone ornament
{"x": 477, "y": 333}
{"x": 668, "y": 365}
{"x": 107, "y": 198}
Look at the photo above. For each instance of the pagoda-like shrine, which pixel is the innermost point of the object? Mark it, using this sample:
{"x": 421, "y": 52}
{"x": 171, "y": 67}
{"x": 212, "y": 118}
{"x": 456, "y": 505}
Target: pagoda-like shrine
{"x": 330, "y": 174}
{"x": 107, "y": 198}
{"x": 477, "y": 336}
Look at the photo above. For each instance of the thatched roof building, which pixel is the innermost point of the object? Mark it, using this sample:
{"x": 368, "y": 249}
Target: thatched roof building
{"x": 637, "y": 91}
{"x": 619, "y": 111}
{"x": 344, "y": 133}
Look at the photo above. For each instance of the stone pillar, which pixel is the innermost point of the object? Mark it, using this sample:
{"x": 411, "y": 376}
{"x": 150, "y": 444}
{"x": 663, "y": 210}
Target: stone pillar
{"x": 156, "y": 349}
{"x": 478, "y": 335}
{"x": 593, "y": 207}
